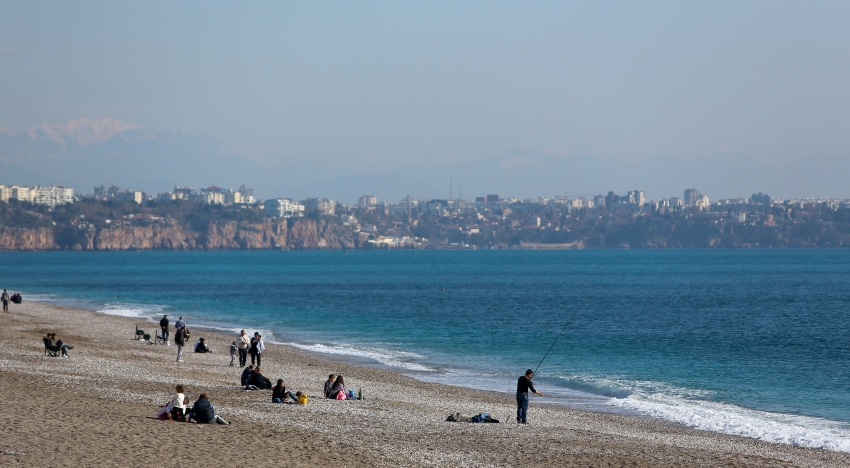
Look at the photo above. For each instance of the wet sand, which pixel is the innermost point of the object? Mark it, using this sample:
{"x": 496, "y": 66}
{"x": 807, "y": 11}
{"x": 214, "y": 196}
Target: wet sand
{"x": 98, "y": 408}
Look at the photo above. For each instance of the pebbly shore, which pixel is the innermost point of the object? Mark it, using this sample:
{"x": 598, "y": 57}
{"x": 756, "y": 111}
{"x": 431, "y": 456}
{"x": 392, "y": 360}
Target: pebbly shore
{"x": 98, "y": 408}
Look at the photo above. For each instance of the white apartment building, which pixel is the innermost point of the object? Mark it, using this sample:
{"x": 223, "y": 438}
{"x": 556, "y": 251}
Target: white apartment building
{"x": 283, "y": 208}
{"x": 22, "y": 193}
{"x": 323, "y": 205}
{"x": 5, "y": 193}
{"x": 702, "y": 202}
{"x": 52, "y": 195}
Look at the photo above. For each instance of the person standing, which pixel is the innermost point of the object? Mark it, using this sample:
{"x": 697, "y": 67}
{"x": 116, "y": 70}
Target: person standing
{"x": 180, "y": 341}
{"x": 163, "y": 324}
{"x": 260, "y": 348}
{"x": 524, "y": 384}
{"x": 242, "y": 343}
{"x": 5, "y": 298}
{"x": 254, "y": 348}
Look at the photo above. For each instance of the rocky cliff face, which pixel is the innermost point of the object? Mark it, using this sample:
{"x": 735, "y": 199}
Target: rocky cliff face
{"x": 26, "y": 239}
{"x": 270, "y": 234}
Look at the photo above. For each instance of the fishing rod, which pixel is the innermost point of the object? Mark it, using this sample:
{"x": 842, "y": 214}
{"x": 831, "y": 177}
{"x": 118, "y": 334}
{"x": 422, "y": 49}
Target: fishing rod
{"x": 559, "y": 334}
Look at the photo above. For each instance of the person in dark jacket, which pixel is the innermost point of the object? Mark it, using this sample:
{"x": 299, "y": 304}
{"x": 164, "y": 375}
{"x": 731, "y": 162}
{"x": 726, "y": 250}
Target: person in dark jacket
{"x": 524, "y": 384}
{"x": 163, "y": 325}
{"x": 180, "y": 341}
{"x": 280, "y": 394}
{"x": 329, "y": 385}
{"x": 201, "y": 347}
{"x": 259, "y": 380}
{"x": 246, "y": 375}
{"x": 203, "y": 412}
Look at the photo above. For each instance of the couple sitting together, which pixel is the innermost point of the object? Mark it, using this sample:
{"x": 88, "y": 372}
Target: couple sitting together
{"x": 50, "y": 344}
{"x": 202, "y": 411}
{"x": 335, "y": 389}
{"x": 253, "y": 379}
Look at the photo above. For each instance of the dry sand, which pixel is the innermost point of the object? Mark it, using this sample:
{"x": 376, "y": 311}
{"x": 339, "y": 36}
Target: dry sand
{"x": 98, "y": 409}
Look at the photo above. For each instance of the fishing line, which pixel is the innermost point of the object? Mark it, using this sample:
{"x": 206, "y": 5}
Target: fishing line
{"x": 559, "y": 334}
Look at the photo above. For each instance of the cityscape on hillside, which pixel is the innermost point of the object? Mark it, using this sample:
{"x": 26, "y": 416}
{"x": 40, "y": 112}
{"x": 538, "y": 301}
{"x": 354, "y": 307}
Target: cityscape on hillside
{"x": 489, "y": 221}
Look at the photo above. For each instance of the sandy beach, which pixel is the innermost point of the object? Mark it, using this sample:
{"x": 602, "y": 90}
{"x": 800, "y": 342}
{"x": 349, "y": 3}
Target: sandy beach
{"x": 98, "y": 408}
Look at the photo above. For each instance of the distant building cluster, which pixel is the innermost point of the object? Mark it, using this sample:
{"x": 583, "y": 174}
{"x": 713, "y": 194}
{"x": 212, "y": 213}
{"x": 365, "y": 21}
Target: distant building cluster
{"x": 50, "y": 195}
{"x": 211, "y": 195}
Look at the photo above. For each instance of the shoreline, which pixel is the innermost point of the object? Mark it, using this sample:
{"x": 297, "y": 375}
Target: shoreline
{"x": 110, "y": 388}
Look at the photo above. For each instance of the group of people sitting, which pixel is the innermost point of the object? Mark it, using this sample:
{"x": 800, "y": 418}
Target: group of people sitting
{"x": 51, "y": 344}
{"x": 202, "y": 412}
{"x": 253, "y": 379}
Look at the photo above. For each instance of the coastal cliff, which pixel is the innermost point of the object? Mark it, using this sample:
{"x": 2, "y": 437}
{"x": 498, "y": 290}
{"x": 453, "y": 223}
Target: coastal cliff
{"x": 219, "y": 235}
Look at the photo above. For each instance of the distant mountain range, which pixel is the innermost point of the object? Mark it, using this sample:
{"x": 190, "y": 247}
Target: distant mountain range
{"x": 86, "y": 152}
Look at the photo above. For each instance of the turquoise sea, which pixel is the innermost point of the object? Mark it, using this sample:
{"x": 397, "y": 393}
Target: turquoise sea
{"x": 748, "y": 342}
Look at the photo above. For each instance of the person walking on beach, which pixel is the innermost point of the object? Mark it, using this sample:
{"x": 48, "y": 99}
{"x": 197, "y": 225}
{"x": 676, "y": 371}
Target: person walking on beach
{"x": 242, "y": 343}
{"x": 5, "y": 298}
{"x": 163, "y": 324}
{"x": 233, "y": 350}
{"x": 254, "y": 348}
{"x": 180, "y": 341}
{"x": 524, "y": 384}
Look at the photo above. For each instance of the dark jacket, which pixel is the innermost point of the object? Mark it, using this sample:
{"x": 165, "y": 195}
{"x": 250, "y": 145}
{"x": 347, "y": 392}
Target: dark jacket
{"x": 279, "y": 392}
{"x": 203, "y": 411}
{"x": 246, "y": 376}
{"x": 180, "y": 337}
{"x": 260, "y": 381}
{"x": 163, "y": 323}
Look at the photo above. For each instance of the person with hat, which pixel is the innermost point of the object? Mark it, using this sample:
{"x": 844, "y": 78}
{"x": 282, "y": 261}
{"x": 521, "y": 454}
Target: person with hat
{"x": 524, "y": 384}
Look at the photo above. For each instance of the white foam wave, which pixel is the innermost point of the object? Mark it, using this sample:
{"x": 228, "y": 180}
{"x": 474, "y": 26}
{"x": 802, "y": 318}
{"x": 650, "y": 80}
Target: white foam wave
{"x": 731, "y": 419}
{"x": 391, "y": 358}
{"x": 131, "y": 310}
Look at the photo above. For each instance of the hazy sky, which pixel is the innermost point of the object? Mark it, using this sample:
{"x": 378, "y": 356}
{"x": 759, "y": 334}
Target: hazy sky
{"x": 406, "y": 83}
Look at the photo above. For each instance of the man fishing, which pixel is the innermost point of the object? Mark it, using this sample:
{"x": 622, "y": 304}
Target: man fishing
{"x": 523, "y": 385}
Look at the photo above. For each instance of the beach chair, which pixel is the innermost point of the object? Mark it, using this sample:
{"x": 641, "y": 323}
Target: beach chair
{"x": 50, "y": 350}
{"x": 140, "y": 334}
{"x": 159, "y": 340}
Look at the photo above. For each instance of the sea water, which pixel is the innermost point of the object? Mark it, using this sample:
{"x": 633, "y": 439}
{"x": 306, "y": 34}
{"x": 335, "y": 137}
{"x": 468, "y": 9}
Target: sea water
{"x": 748, "y": 342}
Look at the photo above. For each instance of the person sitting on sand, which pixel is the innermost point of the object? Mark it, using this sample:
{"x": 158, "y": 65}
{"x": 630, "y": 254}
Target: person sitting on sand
{"x": 53, "y": 344}
{"x": 329, "y": 386}
{"x": 246, "y": 375}
{"x": 338, "y": 390}
{"x": 301, "y": 398}
{"x": 280, "y": 394}
{"x": 178, "y": 404}
{"x": 203, "y": 412}
{"x": 259, "y": 380}
{"x": 201, "y": 347}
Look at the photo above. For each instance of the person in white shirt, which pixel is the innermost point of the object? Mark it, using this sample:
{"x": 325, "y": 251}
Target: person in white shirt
{"x": 260, "y": 348}
{"x": 242, "y": 343}
{"x": 178, "y": 404}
